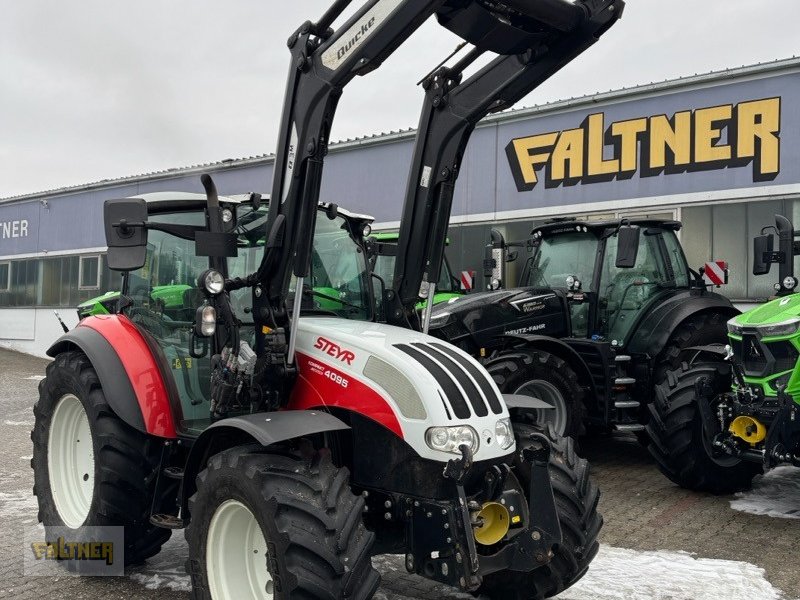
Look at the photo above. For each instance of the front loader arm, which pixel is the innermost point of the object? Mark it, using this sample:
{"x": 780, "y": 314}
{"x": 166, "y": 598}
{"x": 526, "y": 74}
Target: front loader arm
{"x": 451, "y": 111}
{"x": 323, "y": 62}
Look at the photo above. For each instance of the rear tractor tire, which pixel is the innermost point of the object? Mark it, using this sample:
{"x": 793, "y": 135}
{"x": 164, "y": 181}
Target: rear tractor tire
{"x": 576, "y": 498}
{"x": 549, "y": 378}
{"x": 90, "y": 468}
{"x": 267, "y": 525}
{"x": 679, "y": 444}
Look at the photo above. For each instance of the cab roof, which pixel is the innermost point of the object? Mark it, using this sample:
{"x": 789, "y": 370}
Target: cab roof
{"x": 559, "y": 226}
{"x": 170, "y": 201}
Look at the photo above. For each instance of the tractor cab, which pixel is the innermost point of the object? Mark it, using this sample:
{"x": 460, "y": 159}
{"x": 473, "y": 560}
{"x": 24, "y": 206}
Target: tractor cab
{"x": 163, "y": 297}
{"x": 609, "y": 272}
{"x": 383, "y": 250}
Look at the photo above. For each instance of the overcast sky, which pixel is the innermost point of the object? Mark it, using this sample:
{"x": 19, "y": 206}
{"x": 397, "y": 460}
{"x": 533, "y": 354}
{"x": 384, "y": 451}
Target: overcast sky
{"x": 96, "y": 89}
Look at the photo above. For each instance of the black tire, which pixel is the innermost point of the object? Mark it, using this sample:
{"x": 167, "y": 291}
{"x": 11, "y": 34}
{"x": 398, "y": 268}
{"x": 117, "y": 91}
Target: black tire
{"x": 318, "y": 547}
{"x": 126, "y": 461}
{"x": 698, "y": 330}
{"x": 512, "y": 371}
{"x": 576, "y": 498}
{"x": 678, "y": 442}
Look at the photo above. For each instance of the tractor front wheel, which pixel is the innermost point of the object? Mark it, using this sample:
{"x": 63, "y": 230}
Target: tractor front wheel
{"x": 266, "y": 525}
{"x": 90, "y": 468}
{"x": 547, "y": 377}
{"x": 576, "y": 498}
{"x": 679, "y": 443}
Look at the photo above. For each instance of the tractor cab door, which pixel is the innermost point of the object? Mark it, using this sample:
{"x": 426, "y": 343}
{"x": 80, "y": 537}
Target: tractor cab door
{"x": 164, "y": 297}
{"x": 625, "y": 293}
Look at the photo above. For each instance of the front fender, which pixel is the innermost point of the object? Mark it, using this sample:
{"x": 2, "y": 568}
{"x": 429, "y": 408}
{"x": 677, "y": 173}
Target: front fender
{"x": 651, "y": 335}
{"x": 128, "y": 372}
{"x": 556, "y": 347}
{"x": 266, "y": 429}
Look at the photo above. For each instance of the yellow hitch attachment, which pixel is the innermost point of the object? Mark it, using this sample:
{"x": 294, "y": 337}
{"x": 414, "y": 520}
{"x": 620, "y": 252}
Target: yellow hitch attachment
{"x": 748, "y": 429}
{"x": 495, "y": 523}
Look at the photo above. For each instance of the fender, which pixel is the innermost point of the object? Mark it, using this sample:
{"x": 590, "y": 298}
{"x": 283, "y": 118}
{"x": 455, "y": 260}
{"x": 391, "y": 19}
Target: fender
{"x": 265, "y": 428}
{"x": 658, "y": 325}
{"x": 514, "y": 401}
{"x": 557, "y": 347}
{"x": 127, "y": 369}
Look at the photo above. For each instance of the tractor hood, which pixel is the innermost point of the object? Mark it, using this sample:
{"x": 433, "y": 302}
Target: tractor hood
{"x": 404, "y": 380}
{"x": 492, "y": 314}
{"x": 773, "y": 312}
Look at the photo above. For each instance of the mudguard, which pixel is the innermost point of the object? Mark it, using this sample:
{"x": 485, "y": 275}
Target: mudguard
{"x": 128, "y": 371}
{"x": 514, "y": 401}
{"x": 557, "y": 347}
{"x": 653, "y": 332}
{"x": 265, "y": 428}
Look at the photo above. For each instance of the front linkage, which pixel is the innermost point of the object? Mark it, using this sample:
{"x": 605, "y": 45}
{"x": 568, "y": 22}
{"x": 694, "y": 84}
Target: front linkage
{"x": 755, "y": 427}
{"x": 442, "y": 534}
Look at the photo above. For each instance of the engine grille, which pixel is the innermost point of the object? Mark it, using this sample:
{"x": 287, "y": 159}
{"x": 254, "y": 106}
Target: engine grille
{"x": 760, "y": 359}
{"x": 454, "y": 374}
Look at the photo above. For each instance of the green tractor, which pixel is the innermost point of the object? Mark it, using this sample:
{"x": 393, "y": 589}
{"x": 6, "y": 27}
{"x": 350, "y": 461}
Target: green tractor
{"x": 741, "y": 399}
{"x": 384, "y": 251}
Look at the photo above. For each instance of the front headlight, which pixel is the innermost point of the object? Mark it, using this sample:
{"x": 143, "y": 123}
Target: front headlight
{"x": 449, "y": 439}
{"x": 504, "y": 434}
{"x": 783, "y": 328}
{"x": 213, "y": 282}
{"x": 734, "y": 327}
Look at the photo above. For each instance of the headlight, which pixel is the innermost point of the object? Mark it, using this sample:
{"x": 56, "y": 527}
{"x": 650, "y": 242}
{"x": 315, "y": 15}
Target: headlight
{"x": 789, "y": 327}
{"x": 734, "y": 327}
{"x": 213, "y": 282}
{"x": 789, "y": 282}
{"x": 227, "y": 215}
{"x": 504, "y": 433}
{"x": 448, "y": 439}
{"x": 366, "y": 230}
{"x": 206, "y": 322}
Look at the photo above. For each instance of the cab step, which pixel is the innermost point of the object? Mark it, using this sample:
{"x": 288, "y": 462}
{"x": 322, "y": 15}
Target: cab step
{"x": 627, "y": 404}
{"x": 167, "y": 521}
{"x": 624, "y": 381}
{"x": 622, "y": 358}
{"x": 173, "y": 473}
{"x": 629, "y": 427}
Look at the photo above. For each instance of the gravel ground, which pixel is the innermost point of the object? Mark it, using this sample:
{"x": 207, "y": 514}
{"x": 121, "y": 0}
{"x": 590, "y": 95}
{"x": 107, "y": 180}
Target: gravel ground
{"x": 644, "y": 513}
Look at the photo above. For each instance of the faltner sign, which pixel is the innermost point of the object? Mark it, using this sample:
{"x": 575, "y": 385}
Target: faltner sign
{"x": 713, "y": 137}
{"x": 13, "y": 229}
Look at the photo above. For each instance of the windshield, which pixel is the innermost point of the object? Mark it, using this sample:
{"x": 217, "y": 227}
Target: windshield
{"x": 561, "y": 256}
{"x": 384, "y": 268}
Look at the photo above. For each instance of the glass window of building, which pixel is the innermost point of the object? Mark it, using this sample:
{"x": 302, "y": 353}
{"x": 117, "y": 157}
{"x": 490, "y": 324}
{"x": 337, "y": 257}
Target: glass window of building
{"x": 5, "y": 276}
{"x": 89, "y": 276}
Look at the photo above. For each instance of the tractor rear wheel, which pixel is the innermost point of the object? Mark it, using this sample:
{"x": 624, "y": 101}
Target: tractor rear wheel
{"x": 547, "y": 377}
{"x": 265, "y": 525}
{"x": 679, "y": 443}
{"x": 90, "y": 468}
{"x": 576, "y": 499}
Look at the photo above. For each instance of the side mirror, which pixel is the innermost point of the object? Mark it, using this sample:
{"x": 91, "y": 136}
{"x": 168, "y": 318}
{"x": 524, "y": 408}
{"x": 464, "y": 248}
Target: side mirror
{"x": 763, "y": 246}
{"x": 126, "y": 234}
{"x": 627, "y": 246}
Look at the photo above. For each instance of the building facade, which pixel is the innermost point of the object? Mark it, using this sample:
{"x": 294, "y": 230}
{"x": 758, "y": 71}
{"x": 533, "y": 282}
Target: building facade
{"x": 719, "y": 152}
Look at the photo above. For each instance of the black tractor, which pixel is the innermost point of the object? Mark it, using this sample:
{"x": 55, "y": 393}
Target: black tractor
{"x": 602, "y": 311}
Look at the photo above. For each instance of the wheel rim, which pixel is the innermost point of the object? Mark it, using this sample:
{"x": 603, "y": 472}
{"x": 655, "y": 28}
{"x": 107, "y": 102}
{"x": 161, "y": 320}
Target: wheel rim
{"x": 70, "y": 461}
{"x": 557, "y": 416}
{"x": 236, "y": 555}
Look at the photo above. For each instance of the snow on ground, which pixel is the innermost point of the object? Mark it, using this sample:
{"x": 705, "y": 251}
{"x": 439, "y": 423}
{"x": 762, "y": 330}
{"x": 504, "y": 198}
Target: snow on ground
{"x": 775, "y": 494}
{"x": 616, "y": 574}
{"x": 34, "y": 377}
{"x": 622, "y": 574}
{"x": 167, "y": 568}
{"x": 18, "y": 423}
